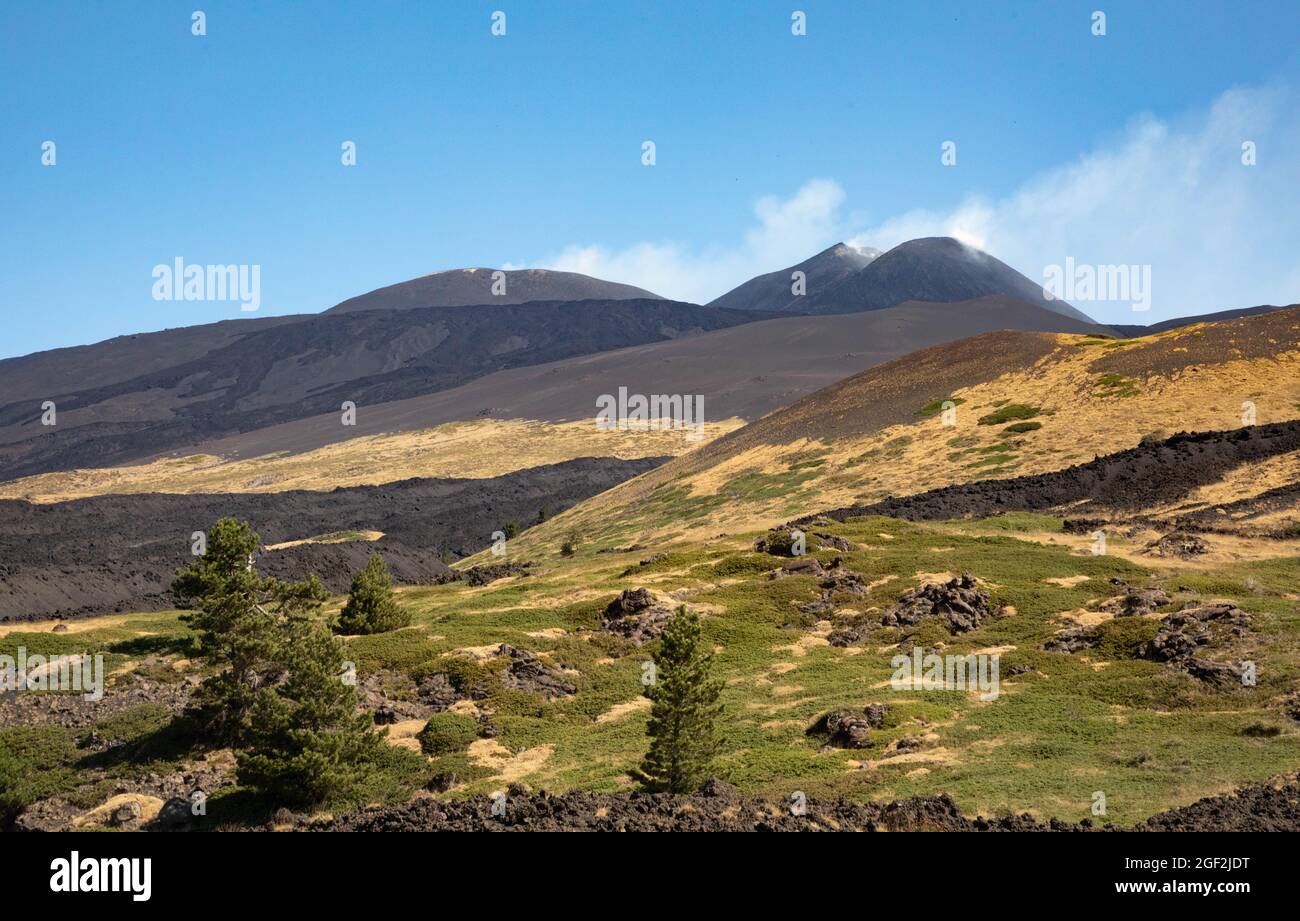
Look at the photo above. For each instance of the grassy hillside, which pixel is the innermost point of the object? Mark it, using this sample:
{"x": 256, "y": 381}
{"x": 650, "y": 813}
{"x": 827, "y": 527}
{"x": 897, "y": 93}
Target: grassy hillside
{"x": 1063, "y": 727}
{"x": 1093, "y": 696}
{"x": 1025, "y": 403}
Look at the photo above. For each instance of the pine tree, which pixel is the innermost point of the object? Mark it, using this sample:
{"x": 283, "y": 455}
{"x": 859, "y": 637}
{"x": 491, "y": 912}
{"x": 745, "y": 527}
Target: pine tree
{"x": 239, "y": 617}
{"x": 371, "y": 607}
{"x": 684, "y": 710}
{"x": 281, "y": 696}
{"x": 308, "y": 743}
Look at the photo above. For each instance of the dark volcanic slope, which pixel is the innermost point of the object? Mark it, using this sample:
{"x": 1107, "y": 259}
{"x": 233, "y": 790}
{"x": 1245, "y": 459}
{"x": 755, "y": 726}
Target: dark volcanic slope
{"x": 41, "y": 375}
{"x": 462, "y": 287}
{"x": 1128, "y": 480}
{"x": 118, "y": 553}
{"x": 1133, "y": 332}
{"x": 743, "y": 371}
{"x": 932, "y": 269}
{"x": 772, "y": 292}
{"x": 298, "y": 369}
{"x": 1262, "y": 335}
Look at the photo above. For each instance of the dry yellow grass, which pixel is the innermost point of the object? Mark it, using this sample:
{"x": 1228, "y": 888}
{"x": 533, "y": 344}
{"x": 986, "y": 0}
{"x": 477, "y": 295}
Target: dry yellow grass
{"x": 463, "y": 450}
{"x": 326, "y": 539}
{"x": 1080, "y": 419}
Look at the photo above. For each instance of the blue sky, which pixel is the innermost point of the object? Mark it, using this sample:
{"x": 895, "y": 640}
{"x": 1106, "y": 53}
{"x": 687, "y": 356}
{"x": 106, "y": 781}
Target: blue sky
{"x": 525, "y": 149}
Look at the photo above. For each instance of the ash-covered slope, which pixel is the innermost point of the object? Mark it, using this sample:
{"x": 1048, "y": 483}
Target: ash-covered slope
{"x": 1133, "y": 331}
{"x": 464, "y": 287}
{"x": 306, "y": 367}
{"x": 774, "y": 291}
{"x": 932, "y": 269}
{"x": 742, "y": 371}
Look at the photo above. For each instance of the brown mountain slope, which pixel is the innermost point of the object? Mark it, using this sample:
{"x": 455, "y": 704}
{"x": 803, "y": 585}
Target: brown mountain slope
{"x": 743, "y": 372}
{"x": 43, "y": 375}
{"x": 932, "y": 269}
{"x": 1026, "y": 403}
{"x": 542, "y": 414}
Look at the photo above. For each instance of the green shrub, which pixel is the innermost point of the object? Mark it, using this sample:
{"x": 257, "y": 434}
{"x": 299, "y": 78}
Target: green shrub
{"x": 1116, "y": 385}
{"x": 34, "y": 765}
{"x": 740, "y": 564}
{"x": 934, "y": 407}
{"x": 1123, "y": 637}
{"x": 447, "y": 733}
{"x": 1010, "y": 413}
{"x": 371, "y": 607}
{"x": 1022, "y": 427}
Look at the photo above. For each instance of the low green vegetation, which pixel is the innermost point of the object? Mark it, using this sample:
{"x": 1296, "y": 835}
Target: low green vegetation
{"x": 1062, "y": 726}
{"x": 447, "y": 733}
{"x": 1020, "y": 428}
{"x": 1115, "y": 386}
{"x": 890, "y": 450}
{"x": 1009, "y": 413}
{"x": 35, "y": 763}
{"x": 934, "y": 407}
{"x": 339, "y": 537}
{"x": 993, "y": 460}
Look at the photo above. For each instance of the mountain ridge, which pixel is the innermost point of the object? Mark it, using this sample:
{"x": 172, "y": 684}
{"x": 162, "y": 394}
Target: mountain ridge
{"x": 940, "y": 269}
{"x": 467, "y": 287}
{"x": 772, "y": 291}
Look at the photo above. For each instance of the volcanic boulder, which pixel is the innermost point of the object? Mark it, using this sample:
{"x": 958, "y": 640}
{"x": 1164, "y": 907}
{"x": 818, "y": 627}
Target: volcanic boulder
{"x": 1136, "y": 602}
{"x": 852, "y": 631}
{"x": 803, "y": 566}
{"x": 1178, "y": 544}
{"x": 482, "y": 575}
{"x": 851, "y": 728}
{"x": 783, "y": 541}
{"x": 1072, "y": 639}
{"x": 832, "y": 542}
{"x": 527, "y": 672}
{"x": 636, "y": 615}
{"x": 1184, "y": 634}
{"x": 960, "y": 602}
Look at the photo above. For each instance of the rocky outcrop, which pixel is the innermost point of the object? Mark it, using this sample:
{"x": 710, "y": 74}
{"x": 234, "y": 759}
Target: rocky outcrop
{"x": 850, "y": 728}
{"x": 1178, "y": 544}
{"x": 959, "y": 602}
{"x": 636, "y": 615}
{"x": 526, "y": 672}
{"x": 1185, "y": 635}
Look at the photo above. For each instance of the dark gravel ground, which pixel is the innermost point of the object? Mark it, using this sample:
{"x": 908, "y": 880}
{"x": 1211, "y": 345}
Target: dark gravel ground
{"x": 119, "y": 553}
{"x": 1261, "y": 807}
